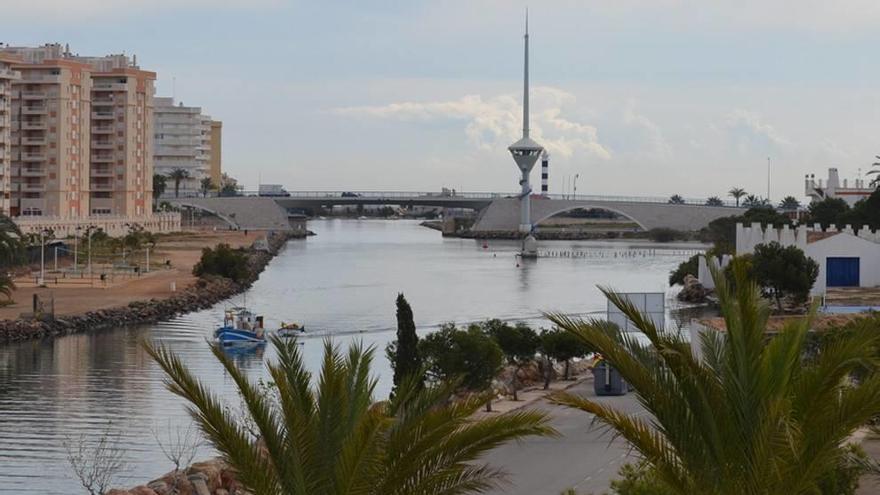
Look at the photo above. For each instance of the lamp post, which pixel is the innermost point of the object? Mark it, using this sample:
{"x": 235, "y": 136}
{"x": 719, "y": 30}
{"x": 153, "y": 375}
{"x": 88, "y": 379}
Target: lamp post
{"x": 43, "y": 234}
{"x": 575, "y": 186}
{"x": 76, "y": 248}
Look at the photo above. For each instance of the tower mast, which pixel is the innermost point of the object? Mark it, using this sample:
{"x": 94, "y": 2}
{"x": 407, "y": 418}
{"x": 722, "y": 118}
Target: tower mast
{"x": 525, "y": 152}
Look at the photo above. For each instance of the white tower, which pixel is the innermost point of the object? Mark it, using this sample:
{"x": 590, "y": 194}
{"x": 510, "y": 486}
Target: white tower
{"x": 525, "y": 151}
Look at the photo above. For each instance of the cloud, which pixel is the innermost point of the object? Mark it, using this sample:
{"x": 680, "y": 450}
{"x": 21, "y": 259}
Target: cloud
{"x": 642, "y": 133}
{"x": 58, "y": 10}
{"x": 749, "y": 133}
{"x": 490, "y": 123}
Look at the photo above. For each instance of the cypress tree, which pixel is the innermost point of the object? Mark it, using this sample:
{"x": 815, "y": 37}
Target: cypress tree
{"x": 405, "y": 354}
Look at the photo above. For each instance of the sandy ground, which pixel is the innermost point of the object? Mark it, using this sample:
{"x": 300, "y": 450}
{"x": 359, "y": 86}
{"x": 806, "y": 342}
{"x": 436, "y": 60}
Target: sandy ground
{"x": 183, "y": 250}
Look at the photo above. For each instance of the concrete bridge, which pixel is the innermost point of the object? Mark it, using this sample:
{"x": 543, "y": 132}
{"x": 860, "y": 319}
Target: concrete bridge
{"x": 496, "y": 211}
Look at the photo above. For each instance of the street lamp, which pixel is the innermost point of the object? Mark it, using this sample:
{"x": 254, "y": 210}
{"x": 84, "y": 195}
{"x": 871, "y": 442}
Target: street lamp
{"x": 575, "y": 186}
{"x": 76, "y": 248}
{"x": 43, "y": 234}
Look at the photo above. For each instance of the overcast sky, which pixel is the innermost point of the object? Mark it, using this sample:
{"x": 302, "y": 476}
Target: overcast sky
{"x": 639, "y": 97}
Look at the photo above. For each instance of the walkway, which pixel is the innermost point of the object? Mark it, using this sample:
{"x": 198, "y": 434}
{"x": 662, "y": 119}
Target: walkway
{"x": 585, "y": 457}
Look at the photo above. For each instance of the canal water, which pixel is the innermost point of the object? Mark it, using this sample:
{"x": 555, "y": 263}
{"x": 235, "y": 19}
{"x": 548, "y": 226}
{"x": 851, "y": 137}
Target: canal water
{"x": 341, "y": 283}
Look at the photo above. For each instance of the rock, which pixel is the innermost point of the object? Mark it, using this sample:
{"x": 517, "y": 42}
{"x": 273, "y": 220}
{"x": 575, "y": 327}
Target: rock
{"x": 212, "y": 471}
{"x": 142, "y": 490}
{"x": 159, "y": 487}
{"x": 693, "y": 291}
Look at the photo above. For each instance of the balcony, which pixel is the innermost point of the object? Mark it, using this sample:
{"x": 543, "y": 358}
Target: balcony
{"x": 33, "y": 110}
{"x": 102, "y": 101}
{"x": 102, "y": 159}
{"x": 103, "y": 115}
{"x": 33, "y": 95}
{"x": 33, "y": 187}
{"x": 9, "y": 74}
{"x": 33, "y": 141}
{"x": 33, "y": 157}
{"x": 33, "y": 172}
{"x": 102, "y": 186}
{"x": 33, "y": 125}
{"x": 106, "y": 86}
{"x": 102, "y": 145}
{"x": 101, "y": 172}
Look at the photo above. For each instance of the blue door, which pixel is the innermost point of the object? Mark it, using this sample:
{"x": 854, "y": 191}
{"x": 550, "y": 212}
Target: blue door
{"x": 842, "y": 272}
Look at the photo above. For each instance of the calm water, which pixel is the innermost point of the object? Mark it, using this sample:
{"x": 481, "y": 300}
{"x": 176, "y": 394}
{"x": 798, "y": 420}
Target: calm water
{"x": 342, "y": 282}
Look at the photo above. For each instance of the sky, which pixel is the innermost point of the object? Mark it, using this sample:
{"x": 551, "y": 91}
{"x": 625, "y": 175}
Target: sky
{"x": 637, "y": 97}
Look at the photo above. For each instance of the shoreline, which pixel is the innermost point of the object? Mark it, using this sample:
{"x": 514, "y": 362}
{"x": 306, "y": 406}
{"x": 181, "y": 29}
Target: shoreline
{"x": 202, "y": 294}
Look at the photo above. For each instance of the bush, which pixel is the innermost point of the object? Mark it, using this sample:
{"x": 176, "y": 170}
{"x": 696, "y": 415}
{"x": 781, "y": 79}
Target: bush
{"x": 222, "y": 261}
{"x": 470, "y": 356}
{"x": 663, "y": 234}
{"x": 829, "y": 211}
{"x": 689, "y": 267}
{"x": 784, "y": 271}
{"x": 722, "y": 231}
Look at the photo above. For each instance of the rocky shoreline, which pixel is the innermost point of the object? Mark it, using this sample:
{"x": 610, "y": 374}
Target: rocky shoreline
{"x": 204, "y": 294}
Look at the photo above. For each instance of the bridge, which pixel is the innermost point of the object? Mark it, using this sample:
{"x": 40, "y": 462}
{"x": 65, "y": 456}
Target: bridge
{"x": 496, "y": 212}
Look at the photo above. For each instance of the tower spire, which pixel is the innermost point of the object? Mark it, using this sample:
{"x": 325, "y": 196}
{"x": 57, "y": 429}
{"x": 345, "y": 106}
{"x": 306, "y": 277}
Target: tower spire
{"x": 526, "y": 78}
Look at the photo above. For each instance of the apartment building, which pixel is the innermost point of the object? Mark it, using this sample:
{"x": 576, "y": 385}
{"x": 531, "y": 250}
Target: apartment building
{"x": 82, "y": 138}
{"x": 50, "y": 139}
{"x": 7, "y": 76}
{"x": 182, "y": 141}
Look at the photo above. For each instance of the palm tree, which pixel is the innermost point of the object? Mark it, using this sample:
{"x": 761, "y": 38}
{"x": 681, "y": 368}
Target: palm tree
{"x": 875, "y": 182}
{"x": 7, "y": 285}
{"x": 675, "y": 199}
{"x": 206, "y": 185}
{"x": 753, "y": 415}
{"x": 333, "y": 439}
{"x": 789, "y": 203}
{"x": 751, "y": 201}
{"x": 736, "y": 193}
{"x": 11, "y": 242}
{"x": 160, "y": 183}
{"x": 178, "y": 175}
{"x": 714, "y": 201}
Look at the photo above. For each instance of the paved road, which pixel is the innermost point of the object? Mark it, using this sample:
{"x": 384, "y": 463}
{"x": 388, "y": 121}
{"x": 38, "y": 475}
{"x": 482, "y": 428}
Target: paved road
{"x": 585, "y": 458}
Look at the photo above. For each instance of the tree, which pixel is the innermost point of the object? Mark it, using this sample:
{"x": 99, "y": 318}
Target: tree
{"x": 866, "y": 212}
{"x": 715, "y": 201}
{"x": 326, "y": 436}
{"x": 721, "y": 232}
{"x": 875, "y": 182}
{"x": 789, "y": 203}
{"x": 737, "y": 193}
{"x": 675, "y": 199}
{"x": 784, "y": 271}
{"x": 562, "y": 347}
{"x": 753, "y": 201}
{"x": 828, "y": 211}
{"x": 749, "y": 416}
{"x": 206, "y": 185}
{"x": 178, "y": 175}
{"x": 469, "y": 356}
{"x": 160, "y": 183}
{"x": 519, "y": 344}
{"x": 12, "y": 246}
{"x": 403, "y": 353}
{"x": 228, "y": 186}
{"x": 222, "y": 261}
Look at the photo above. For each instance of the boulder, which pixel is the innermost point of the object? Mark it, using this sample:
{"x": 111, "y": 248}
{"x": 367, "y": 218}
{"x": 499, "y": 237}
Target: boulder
{"x": 692, "y": 290}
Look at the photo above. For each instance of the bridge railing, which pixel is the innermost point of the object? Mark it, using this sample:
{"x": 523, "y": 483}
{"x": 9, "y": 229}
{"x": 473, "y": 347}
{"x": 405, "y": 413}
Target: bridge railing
{"x": 415, "y": 195}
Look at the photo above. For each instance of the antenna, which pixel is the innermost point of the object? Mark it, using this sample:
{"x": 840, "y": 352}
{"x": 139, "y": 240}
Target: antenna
{"x": 173, "y": 89}
{"x": 526, "y": 79}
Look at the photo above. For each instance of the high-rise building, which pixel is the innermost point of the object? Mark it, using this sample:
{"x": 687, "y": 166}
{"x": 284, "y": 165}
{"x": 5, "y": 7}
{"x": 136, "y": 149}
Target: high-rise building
{"x": 50, "y": 139}
{"x": 81, "y": 134}
{"x": 182, "y": 141}
{"x": 7, "y": 76}
{"x": 122, "y": 142}
{"x": 216, "y": 147}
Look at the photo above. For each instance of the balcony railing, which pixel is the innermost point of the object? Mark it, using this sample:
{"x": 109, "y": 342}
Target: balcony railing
{"x": 33, "y": 141}
{"x": 102, "y": 115}
{"x": 102, "y": 186}
{"x": 33, "y": 157}
{"x": 33, "y": 110}
{"x": 101, "y": 172}
{"x": 33, "y": 187}
{"x": 33, "y": 172}
{"x": 33, "y": 125}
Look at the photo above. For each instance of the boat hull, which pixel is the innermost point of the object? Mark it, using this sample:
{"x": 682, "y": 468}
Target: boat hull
{"x": 232, "y": 336}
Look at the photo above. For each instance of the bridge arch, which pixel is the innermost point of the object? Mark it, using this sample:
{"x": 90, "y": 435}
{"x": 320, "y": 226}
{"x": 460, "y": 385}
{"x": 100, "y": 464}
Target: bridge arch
{"x": 541, "y": 216}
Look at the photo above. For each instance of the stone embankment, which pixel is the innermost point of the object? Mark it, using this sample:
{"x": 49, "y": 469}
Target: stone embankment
{"x": 213, "y": 477}
{"x": 205, "y": 293}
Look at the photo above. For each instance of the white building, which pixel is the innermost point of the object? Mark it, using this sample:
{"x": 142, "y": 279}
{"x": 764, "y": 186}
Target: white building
{"x": 182, "y": 140}
{"x": 850, "y": 192}
{"x": 846, "y": 258}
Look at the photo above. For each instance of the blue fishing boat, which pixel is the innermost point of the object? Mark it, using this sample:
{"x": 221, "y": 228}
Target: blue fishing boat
{"x": 240, "y": 326}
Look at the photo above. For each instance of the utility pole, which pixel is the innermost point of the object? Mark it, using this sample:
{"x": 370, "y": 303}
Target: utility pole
{"x": 768, "y": 179}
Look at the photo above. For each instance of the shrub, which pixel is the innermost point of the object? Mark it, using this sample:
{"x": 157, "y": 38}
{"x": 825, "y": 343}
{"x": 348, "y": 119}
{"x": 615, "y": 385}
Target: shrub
{"x": 663, "y": 234}
{"x": 224, "y": 262}
{"x": 784, "y": 271}
{"x": 689, "y": 267}
{"x": 829, "y": 211}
